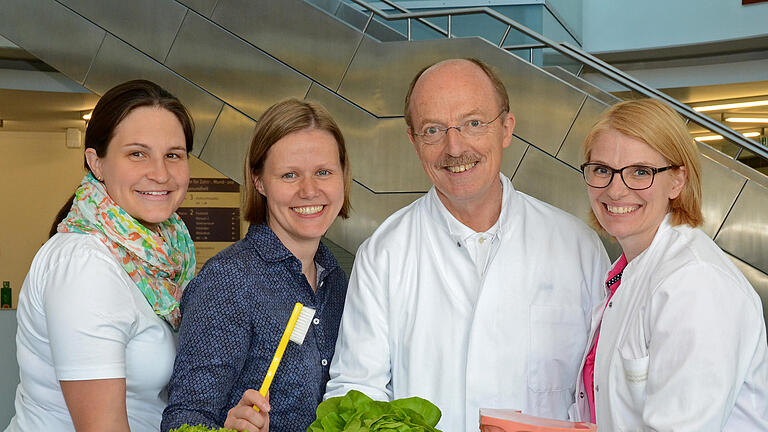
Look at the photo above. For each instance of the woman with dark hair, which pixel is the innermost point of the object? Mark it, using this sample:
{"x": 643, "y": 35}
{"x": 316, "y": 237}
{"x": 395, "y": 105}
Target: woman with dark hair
{"x": 99, "y": 307}
{"x": 297, "y": 182}
{"x": 679, "y": 343}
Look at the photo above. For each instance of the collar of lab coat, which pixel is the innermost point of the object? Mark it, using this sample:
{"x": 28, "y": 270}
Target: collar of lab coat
{"x": 640, "y": 259}
{"x": 460, "y": 232}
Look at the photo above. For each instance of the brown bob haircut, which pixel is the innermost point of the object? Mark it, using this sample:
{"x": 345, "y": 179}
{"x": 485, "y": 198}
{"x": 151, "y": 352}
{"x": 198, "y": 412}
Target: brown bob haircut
{"x": 498, "y": 86}
{"x": 278, "y": 121}
{"x": 658, "y": 125}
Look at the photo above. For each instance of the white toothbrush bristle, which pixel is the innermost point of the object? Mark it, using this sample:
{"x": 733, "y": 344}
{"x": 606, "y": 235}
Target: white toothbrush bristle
{"x": 302, "y": 325}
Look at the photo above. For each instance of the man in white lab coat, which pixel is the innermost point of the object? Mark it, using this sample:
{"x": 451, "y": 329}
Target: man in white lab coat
{"x": 476, "y": 295}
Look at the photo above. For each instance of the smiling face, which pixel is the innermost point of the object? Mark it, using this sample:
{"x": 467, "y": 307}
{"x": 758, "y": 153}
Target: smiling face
{"x": 303, "y": 183}
{"x": 145, "y": 169}
{"x": 632, "y": 216}
{"x": 464, "y": 170}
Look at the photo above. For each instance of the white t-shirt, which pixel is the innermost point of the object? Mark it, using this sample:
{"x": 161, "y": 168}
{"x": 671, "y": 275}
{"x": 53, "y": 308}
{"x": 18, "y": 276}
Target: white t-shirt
{"x": 81, "y": 317}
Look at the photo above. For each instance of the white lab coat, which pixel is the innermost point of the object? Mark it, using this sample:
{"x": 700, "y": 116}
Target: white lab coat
{"x": 410, "y": 329}
{"x": 682, "y": 343}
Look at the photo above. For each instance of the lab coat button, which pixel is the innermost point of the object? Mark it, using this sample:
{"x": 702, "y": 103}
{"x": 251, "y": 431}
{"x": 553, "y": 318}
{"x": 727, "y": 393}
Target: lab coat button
{"x": 316, "y": 321}
{"x": 458, "y": 244}
{"x": 610, "y": 304}
{"x": 324, "y": 362}
{"x": 597, "y": 388}
{"x": 581, "y": 395}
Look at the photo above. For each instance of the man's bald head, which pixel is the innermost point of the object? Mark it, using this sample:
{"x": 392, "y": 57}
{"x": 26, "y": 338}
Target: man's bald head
{"x": 498, "y": 86}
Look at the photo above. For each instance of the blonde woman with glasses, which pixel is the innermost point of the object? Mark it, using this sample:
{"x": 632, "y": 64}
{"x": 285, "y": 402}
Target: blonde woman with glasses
{"x": 679, "y": 344}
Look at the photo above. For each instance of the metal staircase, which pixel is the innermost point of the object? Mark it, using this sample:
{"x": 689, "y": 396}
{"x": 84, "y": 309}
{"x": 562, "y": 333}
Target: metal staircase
{"x": 228, "y": 60}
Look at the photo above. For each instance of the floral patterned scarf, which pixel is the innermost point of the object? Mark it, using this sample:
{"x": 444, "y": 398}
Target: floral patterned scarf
{"x": 161, "y": 264}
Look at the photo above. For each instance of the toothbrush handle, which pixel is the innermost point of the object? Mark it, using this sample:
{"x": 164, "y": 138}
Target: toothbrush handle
{"x": 280, "y": 350}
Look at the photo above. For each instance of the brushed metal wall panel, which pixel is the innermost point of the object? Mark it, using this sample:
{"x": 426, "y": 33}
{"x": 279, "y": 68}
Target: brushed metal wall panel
{"x": 228, "y": 144}
{"x": 586, "y": 87}
{"x": 148, "y": 25}
{"x": 203, "y": 7}
{"x": 352, "y": 16}
{"x": 381, "y": 156}
{"x": 330, "y": 6}
{"x": 720, "y": 187}
{"x": 570, "y": 152}
{"x": 758, "y": 279}
{"x": 302, "y": 36}
{"x": 743, "y": 233}
{"x": 118, "y": 62}
{"x": 512, "y": 156}
{"x": 369, "y": 210}
{"x": 358, "y": 19}
{"x": 543, "y": 105}
{"x": 345, "y": 258}
{"x": 732, "y": 164}
{"x": 544, "y": 177}
{"x": 231, "y": 69}
{"x": 552, "y": 181}
{"x": 52, "y": 33}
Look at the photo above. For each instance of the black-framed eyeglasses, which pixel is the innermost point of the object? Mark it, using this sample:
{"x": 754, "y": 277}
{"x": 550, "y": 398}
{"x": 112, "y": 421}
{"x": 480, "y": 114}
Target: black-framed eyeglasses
{"x": 434, "y": 133}
{"x": 635, "y": 177}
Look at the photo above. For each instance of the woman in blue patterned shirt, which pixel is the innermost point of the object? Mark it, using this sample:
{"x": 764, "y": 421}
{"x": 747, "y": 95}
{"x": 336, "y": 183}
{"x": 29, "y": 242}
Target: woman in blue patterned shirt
{"x": 297, "y": 181}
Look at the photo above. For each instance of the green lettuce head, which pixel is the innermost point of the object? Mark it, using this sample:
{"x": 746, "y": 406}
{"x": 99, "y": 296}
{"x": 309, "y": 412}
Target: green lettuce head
{"x": 356, "y": 412}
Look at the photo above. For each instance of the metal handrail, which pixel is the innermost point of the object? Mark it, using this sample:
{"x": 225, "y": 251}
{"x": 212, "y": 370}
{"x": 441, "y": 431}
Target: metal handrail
{"x": 571, "y": 52}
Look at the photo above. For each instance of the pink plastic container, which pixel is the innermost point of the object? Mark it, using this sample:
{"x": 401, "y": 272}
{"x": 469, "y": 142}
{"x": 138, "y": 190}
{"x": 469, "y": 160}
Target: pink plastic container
{"x": 499, "y": 420}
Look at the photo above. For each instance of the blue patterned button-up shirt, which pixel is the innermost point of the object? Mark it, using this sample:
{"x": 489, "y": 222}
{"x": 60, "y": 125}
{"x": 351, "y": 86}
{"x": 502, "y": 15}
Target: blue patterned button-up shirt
{"x": 233, "y": 315}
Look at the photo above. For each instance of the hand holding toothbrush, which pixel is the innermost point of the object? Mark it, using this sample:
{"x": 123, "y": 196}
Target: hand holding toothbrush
{"x": 257, "y": 420}
{"x": 243, "y": 417}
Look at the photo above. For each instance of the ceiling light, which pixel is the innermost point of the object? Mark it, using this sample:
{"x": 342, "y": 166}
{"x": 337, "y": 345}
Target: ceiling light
{"x": 731, "y": 106}
{"x": 709, "y": 138}
{"x": 87, "y": 115}
{"x": 747, "y": 119}
{"x": 719, "y": 137}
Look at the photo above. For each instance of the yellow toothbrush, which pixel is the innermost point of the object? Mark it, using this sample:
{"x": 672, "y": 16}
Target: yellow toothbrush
{"x": 295, "y": 331}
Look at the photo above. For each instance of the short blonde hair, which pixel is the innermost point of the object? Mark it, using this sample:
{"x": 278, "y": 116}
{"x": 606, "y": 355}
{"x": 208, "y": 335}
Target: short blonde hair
{"x": 279, "y": 120}
{"x": 658, "y": 125}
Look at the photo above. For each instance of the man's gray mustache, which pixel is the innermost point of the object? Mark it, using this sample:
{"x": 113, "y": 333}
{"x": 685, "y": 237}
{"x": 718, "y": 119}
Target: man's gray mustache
{"x": 463, "y": 159}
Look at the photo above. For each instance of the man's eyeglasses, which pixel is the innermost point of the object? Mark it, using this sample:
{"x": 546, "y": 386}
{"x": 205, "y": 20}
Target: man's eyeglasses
{"x": 433, "y": 134}
{"x": 635, "y": 177}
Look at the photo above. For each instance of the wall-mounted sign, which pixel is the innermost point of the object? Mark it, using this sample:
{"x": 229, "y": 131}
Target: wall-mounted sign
{"x": 211, "y": 212}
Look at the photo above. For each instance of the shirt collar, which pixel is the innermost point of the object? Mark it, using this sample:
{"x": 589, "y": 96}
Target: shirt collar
{"x": 460, "y": 232}
{"x": 665, "y": 225}
{"x": 629, "y": 268}
{"x": 271, "y": 249}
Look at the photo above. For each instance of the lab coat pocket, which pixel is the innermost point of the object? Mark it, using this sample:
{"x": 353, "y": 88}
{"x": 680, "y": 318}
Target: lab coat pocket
{"x": 558, "y": 336}
{"x": 636, "y": 376}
